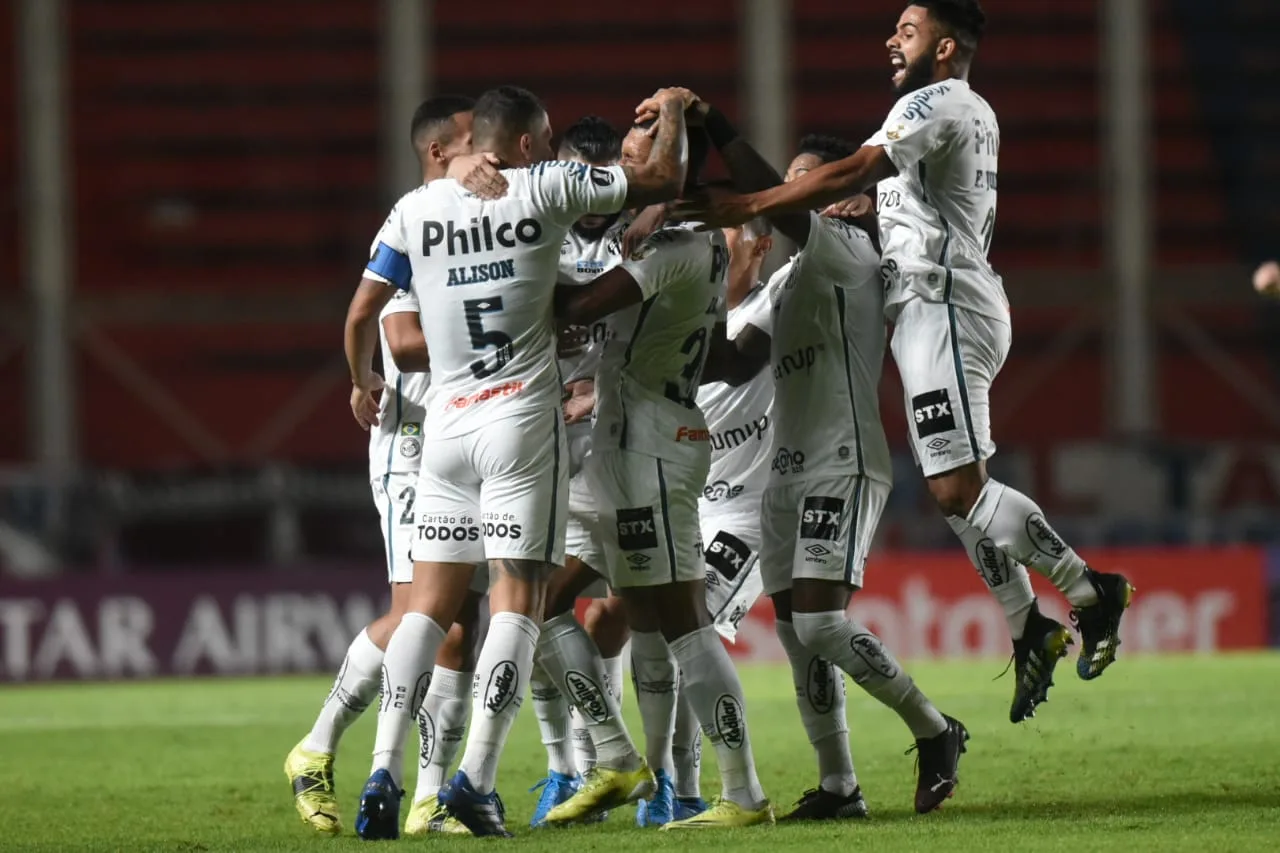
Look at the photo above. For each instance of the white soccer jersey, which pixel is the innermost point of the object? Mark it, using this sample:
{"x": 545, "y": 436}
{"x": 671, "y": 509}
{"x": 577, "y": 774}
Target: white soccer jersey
{"x": 828, "y": 349}
{"x": 938, "y": 214}
{"x": 647, "y": 384}
{"x": 484, "y": 273}
{"x": 582, "y": 261}
{"x": 738, "y": 420}
{"x": 395, "y": 444}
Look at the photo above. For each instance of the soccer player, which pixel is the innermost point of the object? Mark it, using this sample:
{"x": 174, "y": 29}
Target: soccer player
{"x": 648, "y": 465}
{"x": 493, "y": 481}
{"x": 440, "y": 130}
{"x": 935, "y": 161}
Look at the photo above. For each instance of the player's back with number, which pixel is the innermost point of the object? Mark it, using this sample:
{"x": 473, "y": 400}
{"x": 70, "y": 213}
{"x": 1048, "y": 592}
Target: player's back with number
{"x": 937, "y": 215}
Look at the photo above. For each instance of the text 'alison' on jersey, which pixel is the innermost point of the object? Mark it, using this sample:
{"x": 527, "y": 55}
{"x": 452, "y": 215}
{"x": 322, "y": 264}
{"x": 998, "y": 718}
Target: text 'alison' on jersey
{"x": 485, "y": 273}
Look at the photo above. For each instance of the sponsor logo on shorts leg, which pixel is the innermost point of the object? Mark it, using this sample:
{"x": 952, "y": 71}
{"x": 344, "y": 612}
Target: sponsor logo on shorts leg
{"x": 820, "y": 686}
{"x": 720, "y": 490}
{"x": 820, "y": 518}
{"x": 427, "y": 736}
{"x": 586, "y": 695}
{"x": 1044, "y": 537}
{"x": 727, "y": 554}
{"x": 932, "y": 413}
{"x": 730, "y": 725}
{"x": 868, "y": 647}
{"x": 788, "y": 461}
{"x": 637, "y": 530}
{"x": 495, "y": 525}
{"x": 501, "y": 689}
{"x": 992, "y": 563}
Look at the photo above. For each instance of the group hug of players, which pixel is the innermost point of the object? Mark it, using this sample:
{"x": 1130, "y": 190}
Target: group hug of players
{"x": 587, "y": 392}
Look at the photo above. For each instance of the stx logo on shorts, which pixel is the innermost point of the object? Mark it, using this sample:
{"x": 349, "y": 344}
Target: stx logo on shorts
{"x": 730, "y": 725}
{"x": 586, "y": 696}
{"x": 727, "y": 554}
{"x": 1043, "y": 536}
{"x": 820, "y": 518}
{"x": 636, "y": 529}
{"x": 788, "y": 462}
{"x": 992, "y": 562}
{"x": 501, "y": 690}
{"x": 821, "y": 686}
{"x": 932, "y": 412}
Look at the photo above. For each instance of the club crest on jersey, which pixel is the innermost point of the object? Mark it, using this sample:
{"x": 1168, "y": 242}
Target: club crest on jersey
{"x": 895, "y": 134}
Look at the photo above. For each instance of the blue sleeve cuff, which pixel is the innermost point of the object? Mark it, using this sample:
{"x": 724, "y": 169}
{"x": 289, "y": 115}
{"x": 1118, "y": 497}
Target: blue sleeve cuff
{"x": 392, "y": 265}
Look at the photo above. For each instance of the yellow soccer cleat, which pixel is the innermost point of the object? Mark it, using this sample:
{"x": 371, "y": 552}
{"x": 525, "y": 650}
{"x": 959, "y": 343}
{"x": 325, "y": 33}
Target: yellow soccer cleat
{"x": 311, "y": 776}
{"x": 724, "y": 814}
{"x": 603, "y": 789}
{"x": 429, "y": 816}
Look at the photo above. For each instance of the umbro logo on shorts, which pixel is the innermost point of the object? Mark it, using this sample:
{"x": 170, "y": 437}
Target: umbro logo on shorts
{"x": 932, "y": 412}
{"x": 816, "y": 550}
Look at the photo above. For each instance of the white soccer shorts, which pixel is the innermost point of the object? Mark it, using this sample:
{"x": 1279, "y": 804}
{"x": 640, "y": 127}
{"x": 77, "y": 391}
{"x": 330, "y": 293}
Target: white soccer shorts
{"x": 731, "y": 554}
{"x": 947, "y": 358}
{"x": 648, "y": 517}
{"x": 500, "y": 492}
{"x": 395, "y": 495}
{"x": 820, "y": 529}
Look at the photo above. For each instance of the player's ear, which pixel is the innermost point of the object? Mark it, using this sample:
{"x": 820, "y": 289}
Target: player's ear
{"x": 946, "y": 49}
{"x": 526, "y": 146}
{"x": 435, "y": 153}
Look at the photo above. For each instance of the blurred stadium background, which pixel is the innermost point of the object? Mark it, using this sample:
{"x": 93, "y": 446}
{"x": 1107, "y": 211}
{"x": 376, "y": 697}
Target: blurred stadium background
{"x": 187, "y": 193}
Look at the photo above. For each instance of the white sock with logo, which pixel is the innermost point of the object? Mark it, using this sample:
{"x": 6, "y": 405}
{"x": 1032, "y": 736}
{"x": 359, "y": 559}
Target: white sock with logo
{"x": 654, "y": 671}
{"x": 820, "y": 697}
{"x": 1018, "y": 528}
{"x": 850, "y": 646}
{"x": 552, "y": 711}
{"x": 686, "y": 749}
{"x": 355, "y": 686}
{"x": 1007, "y": 580}
{"x": 584, "y": 751}
{"x": 406, "y": 671}
{"x": 715, "y": 693}
{"x": 570, "y": 657}
{"x": 442, "y": 722}
{"x": 502, "y": 673}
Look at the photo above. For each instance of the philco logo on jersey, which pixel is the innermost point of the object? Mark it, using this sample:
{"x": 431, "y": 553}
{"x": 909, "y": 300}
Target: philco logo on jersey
{"x": 727, "y": 554}
{"x": 731, "y": 438}
{"x": 729, "y": 722}
{"x": 820, "y": 518}
{"x": 820, "y": 686}
{"x": 992, "y": 562}
{"x": 788, "y": 462}
{"x": 586, "y": 695}
{"x": 506, "y": 389}
{"x": 686, "y": 434}
{"x": 501, "y": 690}
{"x": 803, "y": 358}
{"x": 1043, "y": 536}
{"x": 479, "y": 236}
{"x": 636, "y": 529}
{"x": 720, "y": 490}
{"x": 932, "y": 411}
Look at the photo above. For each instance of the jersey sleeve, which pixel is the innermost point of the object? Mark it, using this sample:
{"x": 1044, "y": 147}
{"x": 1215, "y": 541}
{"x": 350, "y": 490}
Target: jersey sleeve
{"x": 759, "y": 312}
{"x": 918, "y": 124}
{"x": 665, "y": 257}
{"x": 844, "y": 252}
{"x": 403, "y": 302}
{"x": 568, "y": 191}
{"x": 389, "y": 254}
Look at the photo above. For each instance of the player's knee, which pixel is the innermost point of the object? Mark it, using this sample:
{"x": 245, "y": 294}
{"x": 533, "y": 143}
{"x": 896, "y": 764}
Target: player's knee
{"x": 819, "y": 632}
{"x": 957, "y": 491}
{"x": 782, "y": 605}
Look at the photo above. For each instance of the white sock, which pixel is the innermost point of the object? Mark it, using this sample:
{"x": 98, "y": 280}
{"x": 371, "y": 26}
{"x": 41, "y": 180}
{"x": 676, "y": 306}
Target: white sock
{"x": 553, "y": 714}
{"x": 570, "y": 657}
{"x": 1018, "y": 527}
{"x": 857, "y": 651}
{"x": 686, "y": 748}
{"x": 613, "y": 675}
{"x": 715, "y": 693}
{"x": 1007, "y": 580}
{"x": 355, "y": 687}
{"x": 406, "y": 673}
{"x": 654, "y": 671}
{"x": 442, "y": 722}
{"x": 820, "y": 697}
{"x": 584, "y": 751}
{"x": 502, "y": 673}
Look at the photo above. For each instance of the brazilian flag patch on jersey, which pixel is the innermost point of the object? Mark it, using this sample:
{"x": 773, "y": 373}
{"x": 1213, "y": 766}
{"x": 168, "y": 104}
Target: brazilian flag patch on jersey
{"x": 410, "y": 428}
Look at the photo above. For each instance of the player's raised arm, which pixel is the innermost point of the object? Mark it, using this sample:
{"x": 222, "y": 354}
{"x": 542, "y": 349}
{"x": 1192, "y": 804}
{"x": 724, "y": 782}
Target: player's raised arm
{"x": 736, "y": 362}
{"x": 583, "y": 304}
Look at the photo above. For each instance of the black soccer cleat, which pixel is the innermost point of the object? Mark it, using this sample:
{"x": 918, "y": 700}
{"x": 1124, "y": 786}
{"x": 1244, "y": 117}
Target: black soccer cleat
{"x": 817, "y": 804}
{"x": 938, "y": 763}
{"x": 1043, "y": 643}
{"x": 483, "y": 814}
{"x": 1099, "y": 624}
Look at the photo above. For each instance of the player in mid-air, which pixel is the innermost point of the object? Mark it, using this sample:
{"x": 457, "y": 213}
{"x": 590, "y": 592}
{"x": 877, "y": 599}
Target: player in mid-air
{"x": 439, "y": 131}
{"x": 493, "y": 482}
{"x": 936, "y": 166}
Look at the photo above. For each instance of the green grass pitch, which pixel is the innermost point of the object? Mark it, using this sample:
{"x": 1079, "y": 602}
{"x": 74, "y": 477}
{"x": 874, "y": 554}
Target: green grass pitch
{"x": 1161, "y": 754}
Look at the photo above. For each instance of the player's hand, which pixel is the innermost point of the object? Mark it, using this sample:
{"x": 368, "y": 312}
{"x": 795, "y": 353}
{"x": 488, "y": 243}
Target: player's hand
{"x": 571, "y": 341}
{"x": 651, "y": 107}
{"x": 478, "y": 173}
{"x": 581, "y": 402}
{"x": 713, "y": 207}
{"x": 646, "y": 222}
{"x": 364, "y": 405}
{"x": 1266, "y": 280}
{"x": 850, "y": 208}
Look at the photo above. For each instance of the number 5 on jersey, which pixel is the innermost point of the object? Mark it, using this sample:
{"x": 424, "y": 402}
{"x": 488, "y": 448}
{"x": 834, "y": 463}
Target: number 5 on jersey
{"x": 474, "y": 310}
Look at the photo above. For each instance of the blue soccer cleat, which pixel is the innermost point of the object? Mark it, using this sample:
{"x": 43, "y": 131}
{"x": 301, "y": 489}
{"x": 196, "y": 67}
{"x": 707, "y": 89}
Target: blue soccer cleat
{"x": 687, "y": 807}
{"x": 556, "y": 788}
{"x": 483, "y": 814}
{"x": 378, "y": 818}
{"x": 660, "y": 808}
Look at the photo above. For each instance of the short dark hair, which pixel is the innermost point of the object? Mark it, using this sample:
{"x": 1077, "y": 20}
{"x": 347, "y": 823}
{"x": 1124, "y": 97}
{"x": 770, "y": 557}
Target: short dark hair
{"x": 505, "y": 113}
{"x": 826, "y": 148}
{"x": 962, "y": 20}
{"x": 434, "y": 117}
{"x": 593, "y": 139}
{"x": 699, "y": 149}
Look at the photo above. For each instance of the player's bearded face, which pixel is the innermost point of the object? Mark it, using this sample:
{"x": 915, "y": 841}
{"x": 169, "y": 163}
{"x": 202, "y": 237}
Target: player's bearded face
{"x": 918, "y": 71}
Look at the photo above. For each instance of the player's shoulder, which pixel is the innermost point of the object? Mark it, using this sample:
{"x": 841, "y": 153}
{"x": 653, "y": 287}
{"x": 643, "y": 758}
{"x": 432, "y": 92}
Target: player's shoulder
{"x": 673, "y": 239}
{"x": 943, "y": 99}
{"x": 568, "y": 171}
